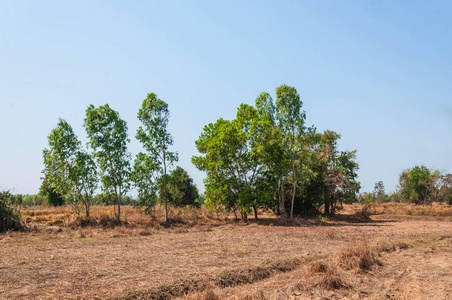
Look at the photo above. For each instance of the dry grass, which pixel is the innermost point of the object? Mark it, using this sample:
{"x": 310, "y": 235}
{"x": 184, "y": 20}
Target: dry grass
{"x": 207, "y": 294}
{"x": 83, "y": 259}
{"x": 228, "y": 278}
{"x": 40, "y": 217}
{"x": 358, "y": 257}
{"x": 407, "y": 210}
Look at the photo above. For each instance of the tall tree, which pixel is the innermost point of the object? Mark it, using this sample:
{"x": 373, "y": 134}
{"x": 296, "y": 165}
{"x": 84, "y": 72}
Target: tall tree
{"x": 276, "y": 158}
{"x": 145, "y": 174}
{"x": 59, "y": 160}
{"x": 154, "y": 115}
{"x": 233, "y": 159}
{"x": 291, "y": 120}
{"x": 84, "y": 175}
{"x": 107, "y": 133}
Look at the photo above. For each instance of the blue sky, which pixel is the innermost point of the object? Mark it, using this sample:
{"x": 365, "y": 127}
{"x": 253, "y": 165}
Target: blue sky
{"x": 378, "y": 72}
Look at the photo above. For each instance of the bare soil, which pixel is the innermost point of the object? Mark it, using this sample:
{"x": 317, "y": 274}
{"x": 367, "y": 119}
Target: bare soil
{"x": 93, "y": 262}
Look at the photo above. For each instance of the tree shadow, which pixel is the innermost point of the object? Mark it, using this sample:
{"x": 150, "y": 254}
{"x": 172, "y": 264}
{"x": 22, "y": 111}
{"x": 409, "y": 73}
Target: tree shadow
{"x": 334, "y": 221}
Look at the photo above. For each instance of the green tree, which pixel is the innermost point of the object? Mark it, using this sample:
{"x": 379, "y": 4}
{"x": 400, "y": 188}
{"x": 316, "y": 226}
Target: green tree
{"x": 145, "y": 175}
{"x": 9, "y": 215}
{"x": 416, "y": 184}
{"x": 291, "y": 120}
{"x": 276, "y": 158}
{"x": 156, "y": 140}
{"x": 59, "y": 160}
{"x": 84, "y": 175}
{"x": 233, "y": 157}
{"x": 107, "y": 133}
{"x": 51, "y": 195}
{"x": 181, "y": 188}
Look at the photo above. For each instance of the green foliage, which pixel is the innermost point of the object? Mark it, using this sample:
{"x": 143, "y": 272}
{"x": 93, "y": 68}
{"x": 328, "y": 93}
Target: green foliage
{"x": 421, "y": 185}
{"x": 234, "y": 160}
{"x": 182, "y": 190}
{"x": 107, "y": 134}
{"x": 156, "y": 140}
{"x": 58, "y": 162}
{"x": 52, "y": 197}
{"x": 9, "y": 215}
{"x": 70, "y": 172}
{"x": 85, "y": 177}
{"x": 145, "y": 175}
{"x": 266, "y": 154}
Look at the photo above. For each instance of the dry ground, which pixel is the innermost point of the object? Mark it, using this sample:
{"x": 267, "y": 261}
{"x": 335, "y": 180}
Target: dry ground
{"x": 97, "y": 262}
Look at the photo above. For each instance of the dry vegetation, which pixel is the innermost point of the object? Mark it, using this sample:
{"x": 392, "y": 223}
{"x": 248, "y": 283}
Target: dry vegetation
{"x": 366, "y": 252}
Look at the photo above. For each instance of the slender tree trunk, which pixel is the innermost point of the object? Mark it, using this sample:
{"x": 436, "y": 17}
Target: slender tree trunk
{"x": 293, "y": 200}
{"x": 165, "y": 186}
{"x": 255, "y": 211}
{"x": 283, "y": 199}
{"x": 119, "y": 204}
{"x": 294, "y": 190}
{"x": 327, "y": 203}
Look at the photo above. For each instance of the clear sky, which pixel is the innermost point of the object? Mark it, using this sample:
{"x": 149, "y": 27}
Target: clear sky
{"x": 378, "y": 72}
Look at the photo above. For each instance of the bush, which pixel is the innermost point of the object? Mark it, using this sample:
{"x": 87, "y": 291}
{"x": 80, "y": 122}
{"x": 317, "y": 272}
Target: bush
{"x": 9, "y": 216}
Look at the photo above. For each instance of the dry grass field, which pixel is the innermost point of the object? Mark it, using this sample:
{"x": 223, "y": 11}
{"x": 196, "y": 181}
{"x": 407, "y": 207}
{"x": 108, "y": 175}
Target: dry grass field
{"x": 399, "y": 252}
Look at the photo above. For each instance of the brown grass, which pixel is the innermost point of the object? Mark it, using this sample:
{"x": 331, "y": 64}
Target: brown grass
{"x": 224, "y": 279}
{"x": 358, "y": 257}
{"x": 406, "y": 210}
{"x": 85, "y": 259}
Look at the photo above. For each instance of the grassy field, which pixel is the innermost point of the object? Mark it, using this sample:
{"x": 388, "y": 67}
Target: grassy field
{"x": 400, "y": 252}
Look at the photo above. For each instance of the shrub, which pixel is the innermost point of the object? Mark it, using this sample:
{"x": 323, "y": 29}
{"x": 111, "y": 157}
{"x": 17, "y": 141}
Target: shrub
{"x": 9, "y": 216}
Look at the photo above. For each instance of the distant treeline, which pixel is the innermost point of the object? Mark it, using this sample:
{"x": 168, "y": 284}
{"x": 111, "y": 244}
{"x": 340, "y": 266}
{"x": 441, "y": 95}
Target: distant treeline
{"x": 418, "y": 185}
{"x": 37, "y": 200}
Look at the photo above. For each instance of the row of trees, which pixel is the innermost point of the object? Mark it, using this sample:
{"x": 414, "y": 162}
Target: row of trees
{"x": 74, "y": 174}
{"x": 419, "y": 185}
{"x": 267, "y": 158}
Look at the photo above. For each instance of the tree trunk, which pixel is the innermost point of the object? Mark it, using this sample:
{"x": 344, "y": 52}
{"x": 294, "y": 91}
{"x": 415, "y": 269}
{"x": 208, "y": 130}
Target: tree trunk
{"x": 283, "y": 200}
{"x": 294, "y": 189}
{"x": 165, "y": 186}
{"x": 255, "y": 212}
{"x": 293, "y": 200}
{"x": 327, "y": 204}
{"x": 244, "y": 217}
{"x": 119, "y": 205}
{"x": 87, "y": 209}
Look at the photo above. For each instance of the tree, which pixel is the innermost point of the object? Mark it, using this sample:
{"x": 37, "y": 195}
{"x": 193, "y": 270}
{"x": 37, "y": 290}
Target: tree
{"x": 58, "y": 163}
{"x": 181, "y": 188}
{"x": 233, "y": 157}
{"x": 84, "y": 175}
{"x": 416, "y": 184}
{"x": 145, "y": 176}
{"x": 276, "y": 158}
{"x": 444, "y": 188}
{"x": 379, "y": 192}
{"x": 156, "y": 140}
{"x": 107, "y": 133}
{"x": 291, "y": 123}
{"x": 9, "y": 215}
{"x": 52, "y": 197}
{"x": 333, "y": 173}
